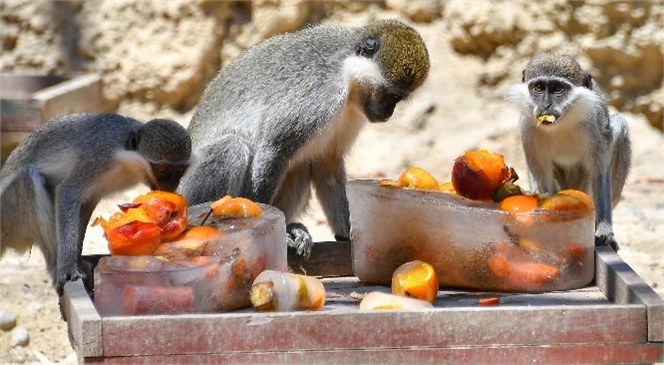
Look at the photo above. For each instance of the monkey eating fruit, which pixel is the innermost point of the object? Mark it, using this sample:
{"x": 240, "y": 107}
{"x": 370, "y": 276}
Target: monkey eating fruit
{"x": 281, "y": 117}
{"x": 569, "y": 139}
{"x": 53, "y": 180}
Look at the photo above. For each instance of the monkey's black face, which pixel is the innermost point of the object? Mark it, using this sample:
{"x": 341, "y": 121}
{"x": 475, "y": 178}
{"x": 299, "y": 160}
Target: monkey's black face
{"x": 167, "y": 176}
{"x": 379, "y": 105}
{"x": 550, "y": 96}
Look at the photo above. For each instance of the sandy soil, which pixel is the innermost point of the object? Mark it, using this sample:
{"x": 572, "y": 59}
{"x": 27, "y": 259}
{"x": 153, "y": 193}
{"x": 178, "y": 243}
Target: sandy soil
{"x": 444, "y": 118}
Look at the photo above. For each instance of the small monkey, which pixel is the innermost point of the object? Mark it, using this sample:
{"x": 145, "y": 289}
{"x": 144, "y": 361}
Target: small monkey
{"x": 55, "y": 177}
{"x": 569, "y": 139}
{"x": 281, "y": 117}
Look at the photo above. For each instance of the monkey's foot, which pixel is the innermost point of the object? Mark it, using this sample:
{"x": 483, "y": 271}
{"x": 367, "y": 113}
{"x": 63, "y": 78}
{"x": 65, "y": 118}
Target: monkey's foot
{"x": 606, "y": 239}
{"x": 299, "y": 239}
{"x": 64, "y": 276}
{"x": 338, "y": 237}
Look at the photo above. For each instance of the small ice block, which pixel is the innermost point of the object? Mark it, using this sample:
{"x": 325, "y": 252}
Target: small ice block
{"x": 217, "y": 271}
{"x": 470, "y": 244}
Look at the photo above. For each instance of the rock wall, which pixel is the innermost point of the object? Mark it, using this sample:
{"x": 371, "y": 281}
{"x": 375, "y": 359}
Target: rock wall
{"x": 161, "y": 54}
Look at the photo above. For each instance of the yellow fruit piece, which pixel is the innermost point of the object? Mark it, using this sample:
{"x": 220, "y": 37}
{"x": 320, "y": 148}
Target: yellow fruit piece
{"x": 413, "y": 178}
{"x": 546, "y": 119}
{"x": 382, "y": 301}
{"x": 415, "y": 279}
{"x": 229, "y": 207}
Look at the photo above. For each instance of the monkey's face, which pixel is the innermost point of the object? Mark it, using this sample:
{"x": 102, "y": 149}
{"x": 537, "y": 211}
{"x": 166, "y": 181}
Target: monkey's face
{"x": 379, "y": 103}
{"x": 166, "y": 176}
{"x": 550, "y": 97}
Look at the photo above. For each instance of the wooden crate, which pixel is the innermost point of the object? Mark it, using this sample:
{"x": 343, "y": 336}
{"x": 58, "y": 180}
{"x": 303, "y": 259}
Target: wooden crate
{"x": 27, "y": 101}
{"x": 618, "y": 320}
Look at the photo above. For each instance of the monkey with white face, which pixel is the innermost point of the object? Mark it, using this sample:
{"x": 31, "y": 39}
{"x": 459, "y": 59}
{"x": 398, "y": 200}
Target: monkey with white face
{"x": 53, "y": 180}
{"x": 569, "y": 139}
{"x": 281, "y": 117}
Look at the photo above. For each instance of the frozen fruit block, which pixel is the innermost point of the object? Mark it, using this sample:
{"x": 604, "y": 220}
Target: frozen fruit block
{"x": 544, "y": 249}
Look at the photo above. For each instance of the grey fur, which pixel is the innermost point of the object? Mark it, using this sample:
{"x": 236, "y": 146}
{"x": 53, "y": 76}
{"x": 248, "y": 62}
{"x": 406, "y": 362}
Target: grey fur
{"x": 51, "y": 183}
{"x": 264, "y": 126}
{"x": 586, "y": 149}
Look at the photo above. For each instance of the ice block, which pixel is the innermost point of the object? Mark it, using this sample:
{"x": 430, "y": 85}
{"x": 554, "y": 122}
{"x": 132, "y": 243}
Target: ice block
{"x": 197, "y": 275}
{"x": 471, "y": 244}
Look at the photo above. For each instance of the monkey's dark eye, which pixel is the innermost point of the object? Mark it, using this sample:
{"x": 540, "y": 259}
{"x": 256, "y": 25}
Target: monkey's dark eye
{"x": 161, "y": 168}
{"x": 367, "y": 47}
{"x": 558, "y": 89}
{"x": 538, "y": 88}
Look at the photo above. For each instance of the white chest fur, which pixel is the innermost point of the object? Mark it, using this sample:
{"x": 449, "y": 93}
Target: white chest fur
{"x": 129, "y": 169}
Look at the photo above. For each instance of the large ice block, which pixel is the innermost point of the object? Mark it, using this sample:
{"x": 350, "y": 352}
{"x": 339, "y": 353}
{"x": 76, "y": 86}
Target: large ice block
{"x": 196, "y": 276}
{"x": 471, "y": 244}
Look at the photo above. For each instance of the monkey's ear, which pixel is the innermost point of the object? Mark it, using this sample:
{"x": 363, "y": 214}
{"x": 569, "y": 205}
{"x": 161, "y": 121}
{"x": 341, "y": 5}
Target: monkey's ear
{"x": 367, "y": 47}
{"x": 588, "y": 81}
{"x": 523, "y": 76}
{"x": 132, "y": 140}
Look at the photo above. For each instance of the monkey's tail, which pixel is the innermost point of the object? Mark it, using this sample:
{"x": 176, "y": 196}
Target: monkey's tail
{"x": 43, "y": 215}
{"x": 621, "y": 155}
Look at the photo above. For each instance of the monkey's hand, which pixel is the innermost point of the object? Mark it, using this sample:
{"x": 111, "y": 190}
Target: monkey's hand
{"x": 299, "y": 239}
{"x": 64, "y": 275}
{"x": 604, "y": 236}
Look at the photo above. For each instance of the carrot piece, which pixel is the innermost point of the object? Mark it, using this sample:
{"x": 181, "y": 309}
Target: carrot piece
{"x": 531, "y": 272}
{"x": 498, "y": 266}
{"x": 489, "y": 301}
{"x": 575, "y": 251}
{"x": 157, "y": 300}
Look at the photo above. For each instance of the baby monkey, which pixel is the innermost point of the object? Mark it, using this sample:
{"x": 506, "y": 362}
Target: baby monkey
{"x": 53, "y": 180}
{"x": 569, "y": 139}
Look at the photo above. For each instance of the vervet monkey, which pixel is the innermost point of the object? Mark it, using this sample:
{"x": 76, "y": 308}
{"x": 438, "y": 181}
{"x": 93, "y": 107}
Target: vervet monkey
{"x": 569, "y": 139}
{"x": 281, "y": 117}
{"x": 55, "y": 177}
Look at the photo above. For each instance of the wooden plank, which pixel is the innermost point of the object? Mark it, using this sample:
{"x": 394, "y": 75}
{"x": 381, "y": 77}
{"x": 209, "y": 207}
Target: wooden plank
{"x": 79, "y": 94}
{"x": 84, "y": 322}
{"x": 19, "y": 115}
{"x": 326, "y": 259}
{"x": 557, "y": 354}
{"x": 621, "y": 284}
{"x": 342, "y": 329}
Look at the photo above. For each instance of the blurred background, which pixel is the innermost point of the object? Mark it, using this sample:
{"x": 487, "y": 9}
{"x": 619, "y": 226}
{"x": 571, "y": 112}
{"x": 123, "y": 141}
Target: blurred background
{"x": 155, "y": 58}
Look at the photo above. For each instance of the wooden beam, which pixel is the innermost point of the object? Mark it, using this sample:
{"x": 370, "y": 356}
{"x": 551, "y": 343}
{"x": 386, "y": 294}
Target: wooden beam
{"x": 557, "y": 354}
{"x": 331, "y": 258}
{"x": 345, "y": 329}
{"x": 85, "y": 325}
{"x": 622, "y": 285}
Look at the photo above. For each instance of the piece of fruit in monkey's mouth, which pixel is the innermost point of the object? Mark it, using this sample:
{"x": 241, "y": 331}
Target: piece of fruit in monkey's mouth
{"x": 546, "y": 119}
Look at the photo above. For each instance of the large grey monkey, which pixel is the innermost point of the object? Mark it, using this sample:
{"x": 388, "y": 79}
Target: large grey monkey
{"x": 281, "y": 116}
{"x": 55, "y": 177}
{"x": 569, "y": 139}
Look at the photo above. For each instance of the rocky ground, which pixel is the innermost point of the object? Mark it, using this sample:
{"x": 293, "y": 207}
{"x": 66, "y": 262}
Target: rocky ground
{"x": 475, "y": 55}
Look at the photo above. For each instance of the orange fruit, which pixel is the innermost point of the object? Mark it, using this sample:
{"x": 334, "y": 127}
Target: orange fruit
{"x": 229, "y": 207}
{"x": 519, "y": 203}
{"x": 416, "y": 279}
{"x": 479, "y": 174}
{"x": 413, "y": 178}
